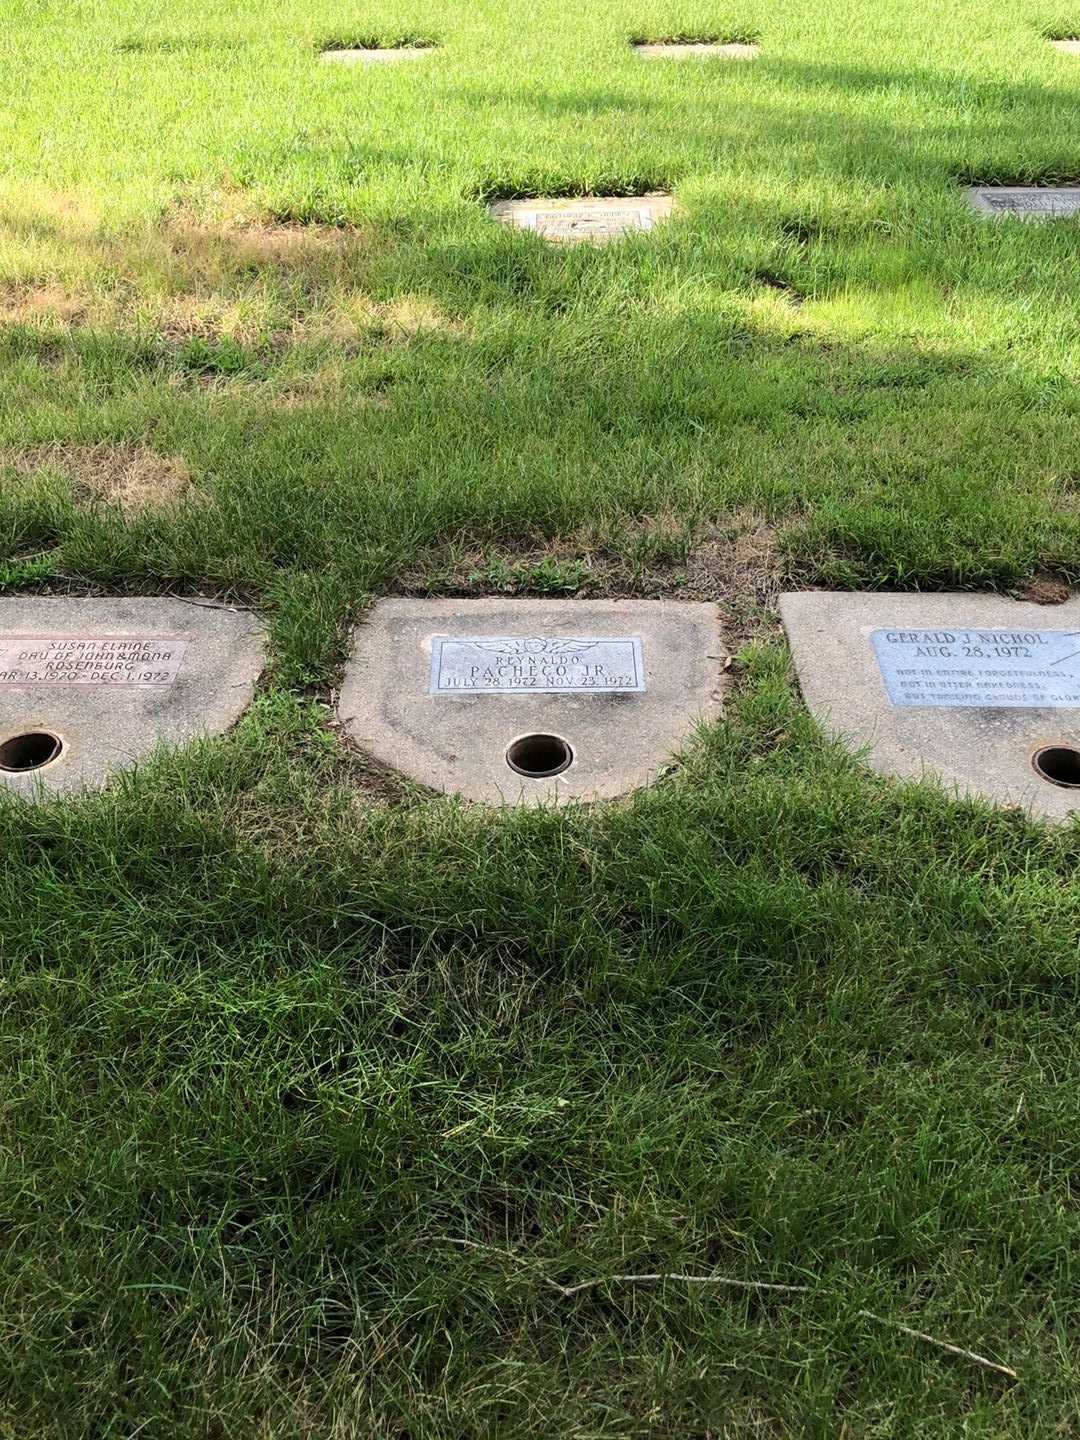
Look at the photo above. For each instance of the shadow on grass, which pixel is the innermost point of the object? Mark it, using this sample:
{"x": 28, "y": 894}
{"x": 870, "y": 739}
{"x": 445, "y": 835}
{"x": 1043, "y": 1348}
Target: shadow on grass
{"x": 635, "y": 381}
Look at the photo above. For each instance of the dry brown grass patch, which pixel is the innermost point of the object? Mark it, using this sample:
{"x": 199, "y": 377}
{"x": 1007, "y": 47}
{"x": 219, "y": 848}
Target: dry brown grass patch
{"x": 26, "y": 304}
{"x": 132, "y": 476}
{"x": 217, "y": 242}
{"x": 221, "y": 251}
{"x": 212, "y": 266}
{"x": 323, "y": 386}
{"x": 737, "y": 562}
{"x": 414, "y": 315}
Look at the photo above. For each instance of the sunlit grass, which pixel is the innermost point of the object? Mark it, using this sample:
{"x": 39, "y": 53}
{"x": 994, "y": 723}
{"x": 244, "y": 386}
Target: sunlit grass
{"x": 276, "y": 1025}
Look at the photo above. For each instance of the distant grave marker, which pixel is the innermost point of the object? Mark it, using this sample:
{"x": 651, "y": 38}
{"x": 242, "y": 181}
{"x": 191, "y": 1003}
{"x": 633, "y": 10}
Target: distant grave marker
{"x": 683, "y": 50}
{"x": 1026, "y": 202}
{"x": 371, "y": 55}
{"x": 981, "y": 691}
{"x": 1067, "y": 47}
{"x": 586, "y": 219}
{"x": 90, "y": 687}
{"x": 512, "y": 701}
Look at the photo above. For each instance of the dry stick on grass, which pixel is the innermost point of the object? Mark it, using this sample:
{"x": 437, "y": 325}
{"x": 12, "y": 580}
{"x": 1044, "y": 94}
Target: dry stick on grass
{"x": 687, "y": 1279}
{"x": 507, "y": 1254}
{"x": 567, "y": 1290}
{"x": 942, "y": 1345}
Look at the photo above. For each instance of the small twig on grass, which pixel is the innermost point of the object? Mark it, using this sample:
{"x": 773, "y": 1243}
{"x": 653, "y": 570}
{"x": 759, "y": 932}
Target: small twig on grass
{"x": 686, "y": 1279}
{"x": 942, "y": 1345}
{"x": 508, "y": 1254}
{"x": 566, "y": 1291}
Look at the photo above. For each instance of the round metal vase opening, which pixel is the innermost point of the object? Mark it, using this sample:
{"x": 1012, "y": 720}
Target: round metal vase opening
{"x": 539, "y": 756}
{"x": 29, "y": 751}
{"x": 1060, "y": 764}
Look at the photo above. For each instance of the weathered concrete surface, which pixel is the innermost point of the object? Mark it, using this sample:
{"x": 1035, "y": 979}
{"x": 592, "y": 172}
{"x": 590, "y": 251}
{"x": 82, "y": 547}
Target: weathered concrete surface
{"x": 117, "y": 677}
{"x": 458, "y": 742}
{"x": 980, "y": 750}
{"x": 388, "y": 55}
{"x": 1068, "y": 47}
{"x": 1025, "y": 202}
{"x": 674, "y": 50}
{"x": 589, "y": 219}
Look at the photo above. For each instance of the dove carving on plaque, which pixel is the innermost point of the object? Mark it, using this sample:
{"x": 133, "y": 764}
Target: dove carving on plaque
{"x": 534, "y": 646}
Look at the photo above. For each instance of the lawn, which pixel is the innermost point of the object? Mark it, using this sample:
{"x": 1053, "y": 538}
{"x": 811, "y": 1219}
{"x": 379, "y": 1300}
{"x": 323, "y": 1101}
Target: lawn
{"x": 320, "y": 1095}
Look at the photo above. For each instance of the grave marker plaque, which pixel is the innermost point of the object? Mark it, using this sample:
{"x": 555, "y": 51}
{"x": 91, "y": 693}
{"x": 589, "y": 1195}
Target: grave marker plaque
{"x": 972, "y": 689}
{"x": 511, "y": 665}
{"x": 967, "y": 665}
{"x": 584, "y": 224}
{"x": 513, "y": 701}
{"x": 584, "y": 219}
{"x": 1026, "y": 202}
{"x": 90, "y": 659}
{"x": 92, "y": 687}
{"x": 680, "y": 50}
{"x": 386, "y": 55}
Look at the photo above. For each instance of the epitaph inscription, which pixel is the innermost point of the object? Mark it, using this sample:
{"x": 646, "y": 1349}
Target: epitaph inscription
{"x": 571, "y": 224}
{"x": 1027, "y": 202}
{"x": 1048, "y": 204}
{"x": 990, "y": 669}
{"x": 90, "y": 659}
{"x": 677, "y": 49}
{"x": 366, "y": 55}
{"x": 537, "y": 665}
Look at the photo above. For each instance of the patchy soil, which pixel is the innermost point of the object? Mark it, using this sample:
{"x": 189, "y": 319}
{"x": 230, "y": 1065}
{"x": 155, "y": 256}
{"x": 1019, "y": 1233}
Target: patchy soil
{"x": 737, "y": 563}
{"x": 132, "y": 476}
{"x": 1043, "y": 589}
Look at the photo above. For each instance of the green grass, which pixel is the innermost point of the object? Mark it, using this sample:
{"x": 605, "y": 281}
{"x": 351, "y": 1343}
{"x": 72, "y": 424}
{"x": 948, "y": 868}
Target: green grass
{"x": 276, "y": 1029}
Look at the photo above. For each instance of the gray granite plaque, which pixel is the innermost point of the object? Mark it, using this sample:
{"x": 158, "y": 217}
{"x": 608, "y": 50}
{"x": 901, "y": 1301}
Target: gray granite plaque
{"x": 572, "y": 223}
{"x": 998, "y": 669}
{"x": 584, "y": 219}
{"x": 979, "y": 667}
{"x": 677, "y": 49}
{"x": 90, "y": 659}
{"x": 1026, "y": 202}
{"x": 916, "y": 694}
{"x": 366, "y": 55}
{"x": 552, "y": 665}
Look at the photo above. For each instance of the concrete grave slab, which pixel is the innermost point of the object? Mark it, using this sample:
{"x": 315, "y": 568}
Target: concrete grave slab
{"x": 91, "y": 687}
{"x": 524, "y": 701}
{"x": 975, "y": 689}
{"x": 590, "y": 219}
{"x": 675, "y": 50}
{"x": 388, "y": 55}
{"x": 1067, "y": 47}
{"x": 1025, "y": 202}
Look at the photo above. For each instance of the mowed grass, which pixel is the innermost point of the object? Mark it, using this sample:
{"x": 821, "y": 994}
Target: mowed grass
{"x": 313, "y": 1084}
